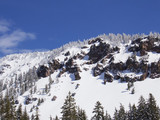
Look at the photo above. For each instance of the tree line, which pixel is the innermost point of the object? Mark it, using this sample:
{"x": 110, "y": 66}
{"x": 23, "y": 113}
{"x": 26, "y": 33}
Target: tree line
{"x": 146, "y": 109}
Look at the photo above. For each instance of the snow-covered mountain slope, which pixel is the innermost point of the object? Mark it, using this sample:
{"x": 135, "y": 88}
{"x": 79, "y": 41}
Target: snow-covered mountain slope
{"x": 95, "y": 70}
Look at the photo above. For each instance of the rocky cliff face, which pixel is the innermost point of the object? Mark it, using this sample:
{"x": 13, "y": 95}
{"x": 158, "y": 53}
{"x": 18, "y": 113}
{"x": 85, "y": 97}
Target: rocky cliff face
{"x": 102, "y": 56}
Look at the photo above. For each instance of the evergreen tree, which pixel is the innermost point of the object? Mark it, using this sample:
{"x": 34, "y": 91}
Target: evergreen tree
{"x": 107, "y": 116}
{"x": 152, "y": 109}
{"x": 7, "y": 109}
{"x": 25, "y": 115}
{"x": 19, "y": 112}
{"x": 32, "y": 117}
{"x": 115, "y": 117}
{"x": 1, "y": 105}
{"x": 142, "y": 109}
{"x": 98, "y": 112}
{"x": 132, "y": 113}
{"x": 81, "y": 114}
{"x": 56, "y": 118}
{"x": 37, "y": 115}
{"x": 69, "y": 109}
{"x": 121, "y": 113}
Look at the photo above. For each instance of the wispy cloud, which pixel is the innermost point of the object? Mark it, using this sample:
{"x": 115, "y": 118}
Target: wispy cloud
{"x": 4, "y": 26}
{"x": 10, "y": 39}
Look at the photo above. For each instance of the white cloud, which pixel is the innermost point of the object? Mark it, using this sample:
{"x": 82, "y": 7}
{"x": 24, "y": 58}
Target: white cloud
{"x": 10, "y": 39}
{"x": 4, "y": 26}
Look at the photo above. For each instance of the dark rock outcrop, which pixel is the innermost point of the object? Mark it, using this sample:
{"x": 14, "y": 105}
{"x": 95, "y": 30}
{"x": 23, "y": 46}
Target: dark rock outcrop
{"x": 94, "y": 41}
{"x": 54, "y": 65}
{"x": 96, "y": 53}
{"x": 144, "y": 45}
{"x": 43, "y": 71}
{"x": 67, "y": 53}
{"x": 98, "y": 70}
{"x": 108, "y": 77}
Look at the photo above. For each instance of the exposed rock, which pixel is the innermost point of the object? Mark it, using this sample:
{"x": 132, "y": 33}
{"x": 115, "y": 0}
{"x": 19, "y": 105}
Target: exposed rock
{"x": 108, "y": 77}
{"x": 98, "y": 70}
{"x": 155, "y": 70}
{"x": 98, "y": 52}
{"x": 115, "y": 67}
{"x": 62, "y": 72}
{"x": 144, "y": 76}
{"x": 43, "y": 71}
{"x": 94, "y": 41}
{"x": 145, "y": 45}
{"x": 84, "y": 47}
{"x": 54, "y": 98}
{"x": 77, "y": 76}
{"x": 54, "y": 65}
{"x": 69, "y": 64}
{"x": 67, "y": 53}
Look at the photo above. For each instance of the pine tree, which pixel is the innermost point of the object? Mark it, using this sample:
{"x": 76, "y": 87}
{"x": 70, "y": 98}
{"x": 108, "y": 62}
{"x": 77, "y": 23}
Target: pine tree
{"x": 56, "y": 118}
{"x": 81, "y": 114}
{"x": 7, "y": 108}
{"x": 142, "y": 109}
{"x": 133, "y": 91}
{"x": 19, "y": 112}
{"x": 98, "y": 112}
{"x": 25, "y": 115}
{"x": 1, "y": 105}
{"x": 107, "y": 116}
{"x": 32, "y": 117}
{"x": 121, "y": 113}
{"x": 37, "y": 115}
{"x": 115, "y": 117}
{"x": 132, "y": 113}
{"x": 152, "y": 108}
{"x": 69, "y": 109}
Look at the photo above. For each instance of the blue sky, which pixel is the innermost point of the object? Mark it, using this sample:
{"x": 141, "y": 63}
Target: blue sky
{"x": 28, "y": 25}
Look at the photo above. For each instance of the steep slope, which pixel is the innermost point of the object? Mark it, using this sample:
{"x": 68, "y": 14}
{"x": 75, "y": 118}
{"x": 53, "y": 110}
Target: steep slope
{"x": 96, "y": 70}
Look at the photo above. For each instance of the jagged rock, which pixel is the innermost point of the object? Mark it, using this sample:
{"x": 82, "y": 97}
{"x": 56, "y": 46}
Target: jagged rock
{"x": 16, "y": 102}
{"x": 34, "y": 99}
{"x": 155, "y": 70}
{"x": 67, "y": 53}
{"x": 43, "y": 71}
{"x": 62, "y": 72}
{"x": 132, "y": 64}
{"x": 77, "y": 76}
{"x": 145, "y": 45}
{"x": 156, "y": 49}
{"x": 108, "y": 77}
{"x": 143, "y": 66}
{"x": 69, "y": 64}
{"x": 98, "y": 70}
{"x": 54, "y": 98}
{"x": 115, "y": 67}
{"x": 78, "y": 56}
{"x": 94, "y": 41}
{"x": 73, "y": 94}
{"x": 84, "y": 47}
{"x": 96, "y": 53}
{"x": 27, "y": 101}
{"x": 54, "y": 65}
{"x": 144, "y": 76}
{"x": 77, "y": 86}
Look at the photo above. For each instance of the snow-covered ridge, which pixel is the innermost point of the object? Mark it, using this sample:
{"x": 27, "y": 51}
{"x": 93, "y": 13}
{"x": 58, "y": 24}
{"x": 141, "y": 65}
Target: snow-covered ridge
{"x": 89, "y": 70}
